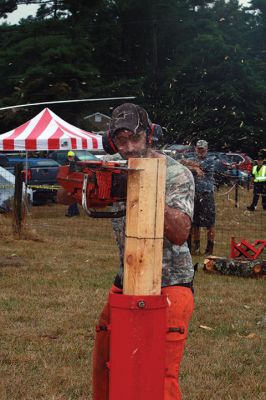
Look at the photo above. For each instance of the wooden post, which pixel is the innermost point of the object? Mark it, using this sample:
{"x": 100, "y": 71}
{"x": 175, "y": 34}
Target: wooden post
{"x": 236, "y": 187}
{"x": 144, "y": 226}
{"x": 17, "y": 205}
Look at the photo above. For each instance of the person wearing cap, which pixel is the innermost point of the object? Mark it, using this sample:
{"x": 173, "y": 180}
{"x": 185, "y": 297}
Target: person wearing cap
{"x": 131, "y": 134}
{"x": 71, "y": 155}
{"x": 202, "y": 167}
{"x": 73, "y": 209}
{"x": 259, "y": 181}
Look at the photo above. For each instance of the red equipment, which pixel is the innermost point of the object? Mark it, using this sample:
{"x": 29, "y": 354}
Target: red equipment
{"x": 250, "y": 251}
{"x": 137, "y": 347}
{"x": 95, "y": 184}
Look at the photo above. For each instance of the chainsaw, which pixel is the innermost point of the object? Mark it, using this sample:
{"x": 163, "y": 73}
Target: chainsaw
{"x": 96, "y": 185}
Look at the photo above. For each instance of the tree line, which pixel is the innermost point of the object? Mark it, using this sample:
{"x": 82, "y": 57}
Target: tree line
{"x": 199, "y": 67}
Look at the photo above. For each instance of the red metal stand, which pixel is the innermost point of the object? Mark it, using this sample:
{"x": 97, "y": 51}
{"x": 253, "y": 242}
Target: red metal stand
{"x": 250, "y": 251}
{"x": 137, "y": 347}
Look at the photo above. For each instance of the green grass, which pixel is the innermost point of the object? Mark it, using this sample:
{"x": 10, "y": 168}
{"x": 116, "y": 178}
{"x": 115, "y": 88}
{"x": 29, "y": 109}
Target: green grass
{"x": 54, "y": 283}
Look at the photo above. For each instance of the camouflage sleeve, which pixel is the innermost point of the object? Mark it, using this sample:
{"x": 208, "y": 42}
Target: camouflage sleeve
{"x": 113, "y": 157}
{"x": 180, "y": 188}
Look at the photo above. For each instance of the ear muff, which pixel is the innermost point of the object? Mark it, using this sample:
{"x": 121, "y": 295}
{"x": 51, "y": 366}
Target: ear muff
{"x": 155, "y": 134}
{"x": 108, "y": 144}
{"x": 149, "y": 133}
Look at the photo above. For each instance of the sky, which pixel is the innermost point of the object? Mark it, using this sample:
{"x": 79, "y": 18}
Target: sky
{"x": 25, "y": 10}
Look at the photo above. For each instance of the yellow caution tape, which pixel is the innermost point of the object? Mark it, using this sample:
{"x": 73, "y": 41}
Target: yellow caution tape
{"x": 7, "y": 186}
{"x": 51, "y": 187}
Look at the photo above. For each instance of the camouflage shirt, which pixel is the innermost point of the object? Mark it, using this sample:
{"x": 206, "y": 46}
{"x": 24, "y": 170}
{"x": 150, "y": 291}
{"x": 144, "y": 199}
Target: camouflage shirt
{"x": 177, "y": 262}
{"x": 206, "y": 182}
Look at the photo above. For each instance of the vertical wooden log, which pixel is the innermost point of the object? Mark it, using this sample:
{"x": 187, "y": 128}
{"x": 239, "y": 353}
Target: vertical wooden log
{"x": 236, "y": 187}
{"x": 144, "y": 226}
{"x": 17, "y": 205}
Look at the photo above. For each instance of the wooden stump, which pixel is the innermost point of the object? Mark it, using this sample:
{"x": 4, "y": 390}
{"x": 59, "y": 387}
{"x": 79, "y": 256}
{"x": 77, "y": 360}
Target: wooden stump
{"x": 144, "y": 226}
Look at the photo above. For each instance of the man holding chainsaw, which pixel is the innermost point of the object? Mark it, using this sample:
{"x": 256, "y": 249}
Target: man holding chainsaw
{"x": 131, "y": 135}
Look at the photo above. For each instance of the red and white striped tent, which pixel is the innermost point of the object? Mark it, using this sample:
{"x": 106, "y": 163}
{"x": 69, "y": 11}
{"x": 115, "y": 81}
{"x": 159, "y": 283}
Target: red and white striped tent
{"x": 47, "y": 131}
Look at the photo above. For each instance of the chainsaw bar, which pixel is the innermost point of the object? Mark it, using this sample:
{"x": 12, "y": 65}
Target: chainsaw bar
{"x": 103, "y": 166}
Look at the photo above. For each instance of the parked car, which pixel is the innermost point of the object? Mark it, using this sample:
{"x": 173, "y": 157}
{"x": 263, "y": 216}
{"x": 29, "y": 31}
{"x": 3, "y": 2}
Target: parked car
{"x": 221, "y": 165}
{"x": 241, "y": 161}
{"x": 39, "y": 173}
{"x": 81, "y": 155}
{"x": 3, "y": 161}
{"x": 177, "y": 150}
{"x": 225, "y": 171}
{"x": 99, "y": 154}
{"x": 235, "y": 175}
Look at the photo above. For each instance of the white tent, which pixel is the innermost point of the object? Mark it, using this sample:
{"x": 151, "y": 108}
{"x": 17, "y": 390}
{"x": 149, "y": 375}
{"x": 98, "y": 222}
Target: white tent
{"x": 47, "y": 131}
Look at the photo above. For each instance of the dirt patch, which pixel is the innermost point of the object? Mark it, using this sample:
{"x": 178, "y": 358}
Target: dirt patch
{"x": 11, "y": 261}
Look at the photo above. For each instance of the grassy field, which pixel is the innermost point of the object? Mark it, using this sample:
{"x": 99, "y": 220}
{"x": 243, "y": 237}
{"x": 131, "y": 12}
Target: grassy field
{"x": 54, "y": 283}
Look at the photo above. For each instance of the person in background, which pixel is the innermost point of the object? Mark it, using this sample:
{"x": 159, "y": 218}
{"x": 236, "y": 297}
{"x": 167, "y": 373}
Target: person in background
{"x": 131, "y": 135}
{"x": 259, "y": 180}
{"x": 202, "y": 168}
{"x": 73, "y": 209}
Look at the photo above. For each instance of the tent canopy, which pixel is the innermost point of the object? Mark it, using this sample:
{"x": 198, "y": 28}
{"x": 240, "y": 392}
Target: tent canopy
{"x": 47, "y": 131}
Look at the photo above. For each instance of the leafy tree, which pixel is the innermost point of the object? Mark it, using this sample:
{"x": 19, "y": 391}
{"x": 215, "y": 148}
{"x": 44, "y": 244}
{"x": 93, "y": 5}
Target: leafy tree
{"x": 215, "y": 92}
{"x": 7, "y": 6}
{"x": 198, "y": 66}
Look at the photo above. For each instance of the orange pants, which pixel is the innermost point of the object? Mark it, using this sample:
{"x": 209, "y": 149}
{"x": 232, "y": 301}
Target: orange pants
{"x": 179, "y": 311}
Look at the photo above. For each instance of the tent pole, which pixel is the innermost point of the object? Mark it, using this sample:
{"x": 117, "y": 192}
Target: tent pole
{"x": 26, "y": 177}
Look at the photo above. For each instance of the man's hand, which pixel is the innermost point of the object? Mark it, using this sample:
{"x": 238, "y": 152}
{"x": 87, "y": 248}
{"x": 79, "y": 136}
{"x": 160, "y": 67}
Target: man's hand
{"x": 193, "y": 166}
{"x": 198, "y": 171}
